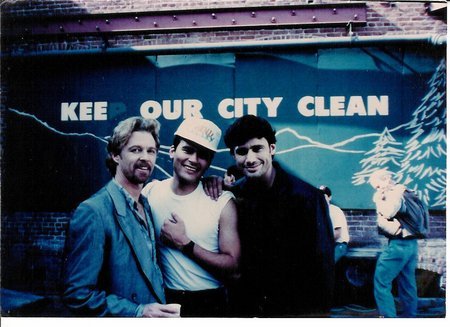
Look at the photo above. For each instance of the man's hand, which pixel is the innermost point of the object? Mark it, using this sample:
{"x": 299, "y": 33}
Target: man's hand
{"x": 157, "y": 310}
{"x": 173, "y": 232}
{"x": 213, "y": 186}
{"x": 391, "y": 227}
{"x": 229, "y": 180}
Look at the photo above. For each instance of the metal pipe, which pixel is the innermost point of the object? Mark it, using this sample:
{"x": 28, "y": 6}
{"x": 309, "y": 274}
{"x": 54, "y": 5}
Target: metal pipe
{"x": 434, "y": 40}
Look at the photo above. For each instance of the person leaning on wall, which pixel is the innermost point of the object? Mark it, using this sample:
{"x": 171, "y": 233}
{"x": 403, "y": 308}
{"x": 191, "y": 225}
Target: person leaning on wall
{"x": 111, "y": 267}
{"x": 340, "y": 228}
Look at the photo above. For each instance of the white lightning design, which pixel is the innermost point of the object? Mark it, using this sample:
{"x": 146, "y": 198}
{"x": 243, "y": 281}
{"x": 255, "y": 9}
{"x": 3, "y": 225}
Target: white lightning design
{"x": 102, "y": 139}
{"x": 46, "y": 125}
{"x": 312, "y": 144}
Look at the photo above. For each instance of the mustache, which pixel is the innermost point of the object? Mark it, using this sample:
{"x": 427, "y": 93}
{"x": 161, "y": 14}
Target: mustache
{"x": 143, "y": 164}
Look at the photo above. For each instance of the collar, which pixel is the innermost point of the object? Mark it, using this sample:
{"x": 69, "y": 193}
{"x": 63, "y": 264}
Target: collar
{"x": 278, "y": 183}
{"x": 128, "y": 198}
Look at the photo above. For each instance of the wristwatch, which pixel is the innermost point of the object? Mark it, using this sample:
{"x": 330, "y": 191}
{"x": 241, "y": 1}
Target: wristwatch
{"x": 188, "y": 249}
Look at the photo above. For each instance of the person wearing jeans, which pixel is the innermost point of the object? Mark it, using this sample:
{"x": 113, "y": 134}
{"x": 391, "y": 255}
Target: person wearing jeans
{"x": 399, "y": 259}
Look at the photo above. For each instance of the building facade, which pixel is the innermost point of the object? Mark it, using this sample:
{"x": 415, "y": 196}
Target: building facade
{"x": 350, "y": 87}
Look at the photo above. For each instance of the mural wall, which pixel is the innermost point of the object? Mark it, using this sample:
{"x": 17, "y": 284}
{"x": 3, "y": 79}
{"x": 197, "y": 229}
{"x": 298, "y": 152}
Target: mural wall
{"x": 340, "y": 113}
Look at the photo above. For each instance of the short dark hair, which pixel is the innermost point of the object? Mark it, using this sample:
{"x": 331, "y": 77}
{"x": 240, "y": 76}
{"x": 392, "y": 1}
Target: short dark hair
{"x": 246, "y": 128}
{"x": 325, "y": 190}
{"x": 122, "y": 133}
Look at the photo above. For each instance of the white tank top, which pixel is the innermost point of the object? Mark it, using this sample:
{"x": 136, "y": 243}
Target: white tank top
{"x": 201, "y": 217}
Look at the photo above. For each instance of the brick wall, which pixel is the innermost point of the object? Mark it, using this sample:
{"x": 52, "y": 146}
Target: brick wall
{"x": 383, "y": 18}
{"x": 32, "y": 250}
{"x": 32, "y": 246}
{"x": 362, "y": 225}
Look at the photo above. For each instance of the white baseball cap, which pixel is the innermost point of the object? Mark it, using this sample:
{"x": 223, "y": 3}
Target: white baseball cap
{"x": 201, "y": 131}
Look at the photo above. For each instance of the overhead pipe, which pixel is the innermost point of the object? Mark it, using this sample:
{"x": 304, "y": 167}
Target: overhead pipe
{"x": 434, "y": 40}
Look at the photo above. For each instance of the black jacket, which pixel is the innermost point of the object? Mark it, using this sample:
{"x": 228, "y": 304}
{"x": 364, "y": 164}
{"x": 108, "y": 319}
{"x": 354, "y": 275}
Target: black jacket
{"x": 287, "y": 249}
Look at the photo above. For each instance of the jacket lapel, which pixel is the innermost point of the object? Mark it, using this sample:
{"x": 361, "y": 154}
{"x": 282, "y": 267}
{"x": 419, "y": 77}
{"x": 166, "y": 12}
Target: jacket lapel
{"x": 136, "y": 239}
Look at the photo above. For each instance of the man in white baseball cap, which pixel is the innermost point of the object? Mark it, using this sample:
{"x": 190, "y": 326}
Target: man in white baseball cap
{"x": 198, "y": 240}
{"x": 200, "y": 131}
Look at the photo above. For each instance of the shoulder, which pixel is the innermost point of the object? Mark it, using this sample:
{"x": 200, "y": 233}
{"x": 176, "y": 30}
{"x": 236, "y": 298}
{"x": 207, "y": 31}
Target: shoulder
{"x": 221, "y": 201}
{"x": 335, "y": 208}
{"x": 336, "y": 211}
{"x": 148, "y": 187}
{"x": 153, "y": 186}
{"x": 227, "y": 207}
{"x": 226, "y": 196}
{"x": 108, "y": 201}
{"x": 97, "y": 200}
{"x": 226, "y": 199}
{"x": 92, "y": 211}
{"x": 396, "y": 192}
{"x": 294, "y": 184}
{"x": 399, "y": 188}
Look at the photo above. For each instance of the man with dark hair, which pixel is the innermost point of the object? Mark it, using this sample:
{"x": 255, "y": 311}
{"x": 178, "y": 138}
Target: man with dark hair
{"x": 287, "y": 263}
{"x": 197, "y": 237}
{"x": 340, "y": 227}
{"x": 232, "y": 176}
{"x": 110, "y": 267}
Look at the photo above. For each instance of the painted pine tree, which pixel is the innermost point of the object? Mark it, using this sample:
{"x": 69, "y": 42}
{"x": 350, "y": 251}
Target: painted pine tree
{"x": 422, "y": 168}
{"x": 387, "y": 153}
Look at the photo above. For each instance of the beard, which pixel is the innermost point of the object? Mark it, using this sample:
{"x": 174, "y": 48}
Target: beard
{"x": 140, "y": 173}
{"x": 137, "y": 179}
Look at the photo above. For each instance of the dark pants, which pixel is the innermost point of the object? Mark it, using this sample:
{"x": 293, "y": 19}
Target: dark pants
{"x": 205, "y": 303}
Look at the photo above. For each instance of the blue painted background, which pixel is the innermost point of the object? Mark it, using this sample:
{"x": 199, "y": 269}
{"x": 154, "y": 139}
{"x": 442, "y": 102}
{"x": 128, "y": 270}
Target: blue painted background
{"x": 52, "y": 165}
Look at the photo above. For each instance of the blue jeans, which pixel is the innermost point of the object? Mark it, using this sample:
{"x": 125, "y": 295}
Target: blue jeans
{"x": 398, "y": 260}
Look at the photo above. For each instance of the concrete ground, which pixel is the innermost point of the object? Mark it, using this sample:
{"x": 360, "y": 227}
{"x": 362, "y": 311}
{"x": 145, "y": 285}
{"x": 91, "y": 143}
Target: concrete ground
{"x": 427, "y": 308}
{"x": 19, "y": 304}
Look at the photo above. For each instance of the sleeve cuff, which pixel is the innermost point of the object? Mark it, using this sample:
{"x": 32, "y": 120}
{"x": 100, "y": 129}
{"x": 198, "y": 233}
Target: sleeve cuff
{"x": 139, "y": 310}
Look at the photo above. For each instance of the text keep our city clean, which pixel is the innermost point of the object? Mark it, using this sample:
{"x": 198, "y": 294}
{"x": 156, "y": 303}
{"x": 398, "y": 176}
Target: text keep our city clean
{"x": 230, "y": 108}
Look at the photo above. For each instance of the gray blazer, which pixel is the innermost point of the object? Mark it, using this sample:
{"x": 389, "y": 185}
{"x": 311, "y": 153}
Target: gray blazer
{"x": 108, "y": 269}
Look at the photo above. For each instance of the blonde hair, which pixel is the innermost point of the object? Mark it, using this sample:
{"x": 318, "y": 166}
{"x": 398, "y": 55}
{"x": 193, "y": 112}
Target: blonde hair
{"x": 379, "y": 175}
{"x": 122, "y": 133}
